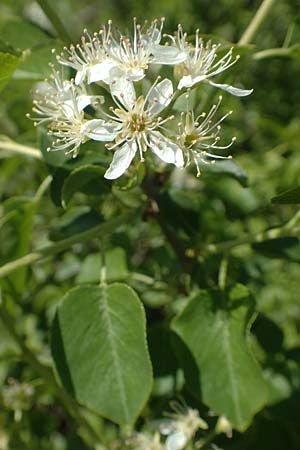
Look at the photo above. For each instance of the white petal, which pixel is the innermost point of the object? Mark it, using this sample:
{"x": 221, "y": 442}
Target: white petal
{"x": 165, "y": 149}
{"x": 84, "y": 100}
{"x": 121, "y": 160}
{"x": 135, "y": 74}
{"x": 67, "y": 86}
{"x": 67, "y": 108}
{"x": 100, "y": 72}
{"x": 99, "y": 130}
{"x": 80, "y": 75}
{"x": 154, "y": 37}
{"x": 165, "y": 54}
{"x": 189, "y": 81}
{"x": 123, "y": 89}
{"x": 232, "y": 90}
{"x": 166, "y": 427}
{"x": 176, "y": 441}
{"x": 160, "y": 96}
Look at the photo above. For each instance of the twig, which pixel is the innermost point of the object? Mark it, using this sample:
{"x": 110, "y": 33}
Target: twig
{"x": 20, "y": 149}
{"x": 52, "y": 249}
{"x": 55, "y": 20}
{"x": 256, "y": 22}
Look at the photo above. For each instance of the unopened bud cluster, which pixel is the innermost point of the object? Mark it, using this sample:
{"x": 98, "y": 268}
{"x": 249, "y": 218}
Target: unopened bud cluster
{"x": 136, "y": 113}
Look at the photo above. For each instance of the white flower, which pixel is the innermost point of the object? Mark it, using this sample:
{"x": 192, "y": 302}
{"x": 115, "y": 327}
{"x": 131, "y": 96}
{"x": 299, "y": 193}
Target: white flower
{"x": 224, "y": 426}
{"x": 134, "y": 126}
{"x": 4, "y": 440}
{"x": 197, "y": 135}
{"x": 183, "y": 426}
{"x": 202, "y": 63}
{"x": 61, "y": 103}
{"x": 134, "y": 54}
{"x": 142, "y": 441}
{"x": 89, "y": 58}
{"x": 69, "y": 134}
{"x": 58, "y": 99}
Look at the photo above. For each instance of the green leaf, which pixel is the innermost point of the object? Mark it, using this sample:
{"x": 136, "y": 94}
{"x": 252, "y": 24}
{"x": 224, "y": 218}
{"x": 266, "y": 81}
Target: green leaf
{"x": 8, "y": 64}
{"x": 116, "y": 266}
{"x": 36, "y": 64}
{"x": 100, "y": 351}
{"x": 7, "y": 343}
{"x": 292, "y": 196}
{"x": 283, "y": 248}
{"x": 87, "y": 179}
{"x": 22, "y": 34}
{"x": 227, "y": 167}
{"x": 15, "y": 235}
{"x": 217, "y": 361}
{"x": 53, "y": 158}
{"x": 75, "y": 220}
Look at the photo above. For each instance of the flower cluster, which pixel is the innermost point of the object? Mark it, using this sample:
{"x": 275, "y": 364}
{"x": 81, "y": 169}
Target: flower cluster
{"x": 17, "y": 397}
{"x": 178, "y": 431}
{"x": 139, "y": 116}
{"x": 175, "y": 432}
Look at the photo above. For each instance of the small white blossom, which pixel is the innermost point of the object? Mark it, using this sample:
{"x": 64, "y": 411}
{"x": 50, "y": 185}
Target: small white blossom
{"x": 182, "y": 427}
{"x": 135, "y": 123}
{"x": 4, "y": 440}
{"x": 17, "y": 397}
{"x": 134, "y": 54}
{"x": 202, "y": 63}
{"x": 142, "y": 441}
{"x": 89, "y": 59}
{"x": 57, "y": 99}
{"x": 224, "y": 426}
{"x": 135, "y": 126}
{"x": 61, "y": 104}
{"x": 197, "y": 135}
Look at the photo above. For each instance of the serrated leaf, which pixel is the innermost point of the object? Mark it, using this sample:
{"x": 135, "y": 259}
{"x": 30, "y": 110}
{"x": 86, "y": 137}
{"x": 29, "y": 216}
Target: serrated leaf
{"x": 218, "y": 363}
{"x": 100, "y": 351}
{"x": 87, "y": 179}
{"x": 292, "y": 197}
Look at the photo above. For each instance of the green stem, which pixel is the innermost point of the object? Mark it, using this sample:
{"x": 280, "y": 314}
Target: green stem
{"x": 207, "y": 440}
{"x": 223, "y": 272}
{"x": 46, "y": 373}
{"x": 42, "y": 189}
{"x": 281, "y": 52}
{"x": 20, "y": 149}
{"x": 52, "y": 249}
{"x": 291, "y": 229}
{"x": 256, "y": 22}
{"x": 55, "y": 20}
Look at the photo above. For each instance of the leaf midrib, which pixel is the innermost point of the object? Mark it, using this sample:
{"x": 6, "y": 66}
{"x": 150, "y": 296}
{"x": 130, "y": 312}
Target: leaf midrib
{"x": 114, "y": 353}
{"x": 229, "y": 363}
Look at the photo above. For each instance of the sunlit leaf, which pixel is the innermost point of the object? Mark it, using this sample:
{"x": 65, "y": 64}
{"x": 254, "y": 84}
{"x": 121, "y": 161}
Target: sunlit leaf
{"x": 215, "y": 354}
{"x": 100, "y": 352}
